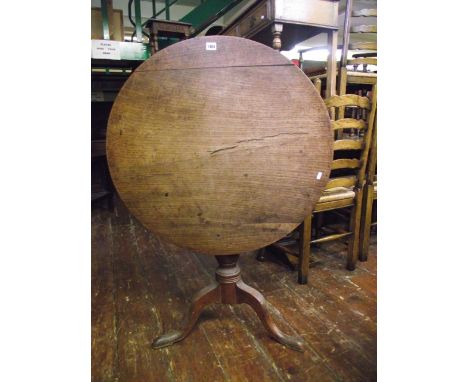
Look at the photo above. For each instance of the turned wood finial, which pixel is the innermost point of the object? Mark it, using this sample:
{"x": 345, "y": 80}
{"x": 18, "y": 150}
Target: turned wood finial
{"x": 277, "y": 29}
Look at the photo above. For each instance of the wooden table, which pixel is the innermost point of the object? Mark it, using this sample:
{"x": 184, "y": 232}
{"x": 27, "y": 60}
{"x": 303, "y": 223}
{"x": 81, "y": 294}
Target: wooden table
{"x": 222, "y": 146}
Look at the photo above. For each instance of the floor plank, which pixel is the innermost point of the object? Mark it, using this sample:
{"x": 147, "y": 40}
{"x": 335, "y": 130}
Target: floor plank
{"x": 104, "y": 339}
{"x": 142, "y": 287}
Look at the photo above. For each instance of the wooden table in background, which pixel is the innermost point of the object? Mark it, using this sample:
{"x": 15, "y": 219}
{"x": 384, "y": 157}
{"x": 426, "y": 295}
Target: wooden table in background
{"x": 166, "y": 28}
{"x": 284, "y": 24}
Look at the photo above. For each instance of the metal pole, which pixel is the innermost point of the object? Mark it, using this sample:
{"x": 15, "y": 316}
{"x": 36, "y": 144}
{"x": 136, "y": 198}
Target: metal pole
{"x": 139, "y": 30}
{"x": 168, "y": 14}
{"x": 154, "y": 7}
{"x": 105, "y": 20}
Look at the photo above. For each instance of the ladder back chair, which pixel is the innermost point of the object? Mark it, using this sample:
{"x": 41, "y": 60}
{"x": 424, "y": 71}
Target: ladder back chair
{"x": 362, "y": 77}
{"x": 368, "y": 57}
{"x": 359, "y": 37}
{"x": 345, "y": 187}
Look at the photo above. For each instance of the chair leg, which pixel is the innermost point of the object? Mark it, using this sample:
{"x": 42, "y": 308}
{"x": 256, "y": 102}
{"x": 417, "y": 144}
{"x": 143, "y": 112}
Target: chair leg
{"x": 304, "y": 251}
{"x": 318, "y": 224}
{"x": 366, "y": 222}
{"x": 354, "y": 227}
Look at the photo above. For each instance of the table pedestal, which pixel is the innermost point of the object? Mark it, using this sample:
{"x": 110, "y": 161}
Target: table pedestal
{"x": 229, "y": 289}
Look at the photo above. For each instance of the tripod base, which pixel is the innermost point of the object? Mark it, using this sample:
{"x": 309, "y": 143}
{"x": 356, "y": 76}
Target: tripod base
{"x": 229, "y": 289}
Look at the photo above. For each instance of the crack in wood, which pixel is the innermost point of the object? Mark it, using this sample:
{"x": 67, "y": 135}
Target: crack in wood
{"x": 252, "y": 140}
{"x": 222, "y": 149}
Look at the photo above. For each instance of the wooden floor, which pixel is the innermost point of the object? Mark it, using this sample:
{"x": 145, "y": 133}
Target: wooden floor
{"x": 142, "y": 286}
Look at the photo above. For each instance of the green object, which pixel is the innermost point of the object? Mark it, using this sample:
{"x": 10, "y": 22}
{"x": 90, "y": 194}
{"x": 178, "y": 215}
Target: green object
{"x": 200, "y": 17}
{"x": 164, "y": 42}
{"x": 139, "y": 29}
{"x": 134, "y": 51}
{"x": 105, "y": 20}
{"x": 167, "y": 8}
{"x": 207, "y": 12}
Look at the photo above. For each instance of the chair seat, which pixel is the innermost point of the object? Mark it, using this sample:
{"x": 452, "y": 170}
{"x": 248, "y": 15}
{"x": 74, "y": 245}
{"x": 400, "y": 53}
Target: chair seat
{"x": 337, "y": 193}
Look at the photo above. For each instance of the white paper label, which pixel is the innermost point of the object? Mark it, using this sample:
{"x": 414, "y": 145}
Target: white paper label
{"x": 210, "y": 46}
{"x": 105, "y": 49}
{"x": 319, "y": 174}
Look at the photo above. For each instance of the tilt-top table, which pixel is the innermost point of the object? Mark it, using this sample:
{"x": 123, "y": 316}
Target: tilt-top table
{"x": 220, "y": 145}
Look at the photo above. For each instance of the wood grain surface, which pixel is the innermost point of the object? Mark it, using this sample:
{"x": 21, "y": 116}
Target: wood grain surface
{"x": 137, "y": 293}
{"x": 219, "y": 151}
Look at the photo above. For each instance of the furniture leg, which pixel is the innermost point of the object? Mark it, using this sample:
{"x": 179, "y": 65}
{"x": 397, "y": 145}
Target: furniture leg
{"x": 355, "y": 223}
{"x": 229, "y": 289}
{"x": 277, "y": 29}
{"x": 366, "y": 222}
{"x": 318, "y": 224}
{"x": 154, "y": 39}
{"x": 152, "y": 43}
{"x": 255, "y": 299}
{"x": 204, "y": 297}
{"x": 304, "y": 251}
{"x": 318, "y": 85}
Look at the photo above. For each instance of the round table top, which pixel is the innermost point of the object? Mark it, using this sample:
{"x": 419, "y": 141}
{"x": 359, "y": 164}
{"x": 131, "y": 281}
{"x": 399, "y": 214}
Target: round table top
{"x": 219, "y": 144}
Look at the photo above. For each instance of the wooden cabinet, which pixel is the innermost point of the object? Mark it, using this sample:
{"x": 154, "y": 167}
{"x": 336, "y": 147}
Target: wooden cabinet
{"x": 257, "y": 18}
{"x": 283, "y": 24}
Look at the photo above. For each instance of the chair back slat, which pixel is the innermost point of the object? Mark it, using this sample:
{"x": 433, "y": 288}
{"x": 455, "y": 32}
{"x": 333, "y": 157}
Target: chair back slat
{"x": 348, "y": 123}
{"x": 342, "y": 181}
{"x": 362, "y": 61}
{"x": 362, "y": 46}
{"x": 345, "y": 163}
{"x": 363, "y": 29}
{"x": 347, "y": 144}
{"x": 364, "y": 13}
{"x": 348, "y": 100}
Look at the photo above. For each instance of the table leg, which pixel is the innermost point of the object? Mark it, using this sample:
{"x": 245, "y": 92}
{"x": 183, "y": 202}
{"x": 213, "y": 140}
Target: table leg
{"x": 229, "y": 289}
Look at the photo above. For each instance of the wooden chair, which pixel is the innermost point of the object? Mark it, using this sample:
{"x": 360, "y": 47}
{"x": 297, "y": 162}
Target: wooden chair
{"x": 345, "y": 186}
{"x": 356, "y": 76}
{"x": 354, "y": 71}
{"x": 369, "y": 195}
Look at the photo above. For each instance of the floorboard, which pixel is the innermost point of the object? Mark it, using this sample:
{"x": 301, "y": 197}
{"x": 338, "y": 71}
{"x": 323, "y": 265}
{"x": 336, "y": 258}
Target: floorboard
{"x": 141, "y": 287}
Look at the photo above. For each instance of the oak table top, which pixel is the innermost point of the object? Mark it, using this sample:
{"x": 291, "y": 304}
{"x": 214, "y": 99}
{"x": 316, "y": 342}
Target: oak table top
{"x": 219, "y": 144}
